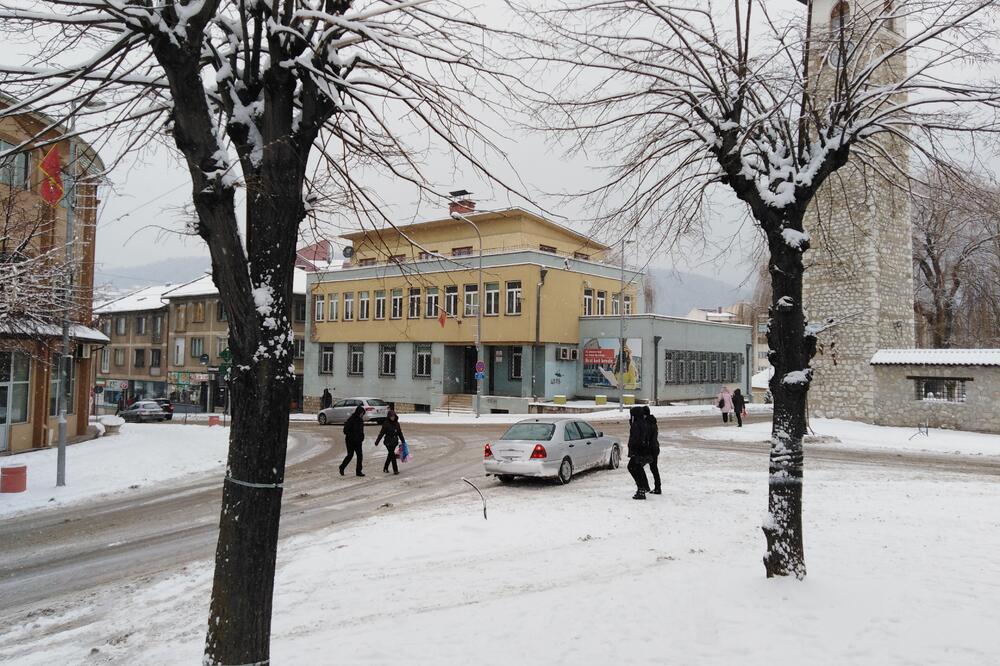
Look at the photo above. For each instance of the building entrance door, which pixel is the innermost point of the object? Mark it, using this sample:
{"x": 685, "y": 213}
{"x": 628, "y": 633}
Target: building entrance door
{"x": 469, "y": 371}
{"x": 4, "y": 416}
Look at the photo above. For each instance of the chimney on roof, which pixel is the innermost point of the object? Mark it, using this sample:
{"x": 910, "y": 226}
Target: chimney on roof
{"x": 720, "y": 309}
{"x": 462, "y": 207}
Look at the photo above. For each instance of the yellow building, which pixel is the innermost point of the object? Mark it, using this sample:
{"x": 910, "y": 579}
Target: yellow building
{"x": 400, "y": 321}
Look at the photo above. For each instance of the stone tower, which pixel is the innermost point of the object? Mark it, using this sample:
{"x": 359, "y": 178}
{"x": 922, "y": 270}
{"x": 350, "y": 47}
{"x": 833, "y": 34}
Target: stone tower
{"x": 859, "y": 271}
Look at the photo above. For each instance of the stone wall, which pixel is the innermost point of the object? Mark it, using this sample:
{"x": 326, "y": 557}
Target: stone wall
{"x": 897, "y": 404}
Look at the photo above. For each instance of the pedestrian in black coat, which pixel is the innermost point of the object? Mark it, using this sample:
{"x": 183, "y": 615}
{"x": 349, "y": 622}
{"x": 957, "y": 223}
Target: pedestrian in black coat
{"x": 739, "y": 404}
{"x": 326, "y": 400}
{"x": 638, "y": 452}
{"x": 653, "y": 444}
{"x": 354, "y": 436}
{"x": 390, "y": 435}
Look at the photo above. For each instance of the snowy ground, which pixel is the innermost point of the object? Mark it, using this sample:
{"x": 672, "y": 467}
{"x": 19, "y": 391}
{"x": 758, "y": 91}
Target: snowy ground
{"x": 142, "y": 455}
{"x": 902, "y": 570}
{"x": 854, "y": 435}
{"x": 612, "y": 413}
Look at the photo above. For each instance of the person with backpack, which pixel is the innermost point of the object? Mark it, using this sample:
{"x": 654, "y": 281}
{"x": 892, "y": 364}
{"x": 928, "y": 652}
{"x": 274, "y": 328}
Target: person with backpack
{"x": 725, "y": 403}
{"x": 390, "y": 435}
{"x": 638, "y": 456}
{"x": 739, "y": 407}
{"x": 354, "y": 436}
{"x": 653, "y": 446}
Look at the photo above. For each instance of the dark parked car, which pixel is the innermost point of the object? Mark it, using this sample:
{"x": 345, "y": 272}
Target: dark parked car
{"x": 142, "y": 411}
{"x": 166, "y": 406}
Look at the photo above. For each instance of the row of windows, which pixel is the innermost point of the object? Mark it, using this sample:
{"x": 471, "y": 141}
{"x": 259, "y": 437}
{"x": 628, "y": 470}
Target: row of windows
{"x": 143, "y": 325}
{"x": 418, "y": 302}
{"x": 139, "y": 357}
{"x": 702, "y": 367}
{"x": 596, "y": 303}
{"x": 464, "y": 251}
{"x": 386, "y": 360}
{"x": 15, "y": 370}
{"x": 198, "y": 311}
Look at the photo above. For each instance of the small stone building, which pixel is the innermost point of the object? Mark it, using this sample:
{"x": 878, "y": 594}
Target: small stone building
{"x": 942, "y": 388}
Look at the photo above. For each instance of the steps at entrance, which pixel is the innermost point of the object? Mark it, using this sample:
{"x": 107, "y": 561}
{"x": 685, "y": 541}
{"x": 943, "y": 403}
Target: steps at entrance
{"x": 458, "y": 403}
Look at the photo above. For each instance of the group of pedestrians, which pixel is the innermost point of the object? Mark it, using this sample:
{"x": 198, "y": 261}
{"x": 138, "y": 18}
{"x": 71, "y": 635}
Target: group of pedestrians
{"x": 643, "y": 449}
{"x": 391, "y": 436}
{"x": 733, "y": 403}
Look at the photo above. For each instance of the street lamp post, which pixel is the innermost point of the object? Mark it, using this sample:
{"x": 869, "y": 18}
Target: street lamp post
{"x": 479, "y": 310}
{"x": 621, "y": 332}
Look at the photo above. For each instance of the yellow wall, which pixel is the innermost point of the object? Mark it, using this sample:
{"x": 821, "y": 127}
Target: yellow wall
{"x": 562, "y": 305}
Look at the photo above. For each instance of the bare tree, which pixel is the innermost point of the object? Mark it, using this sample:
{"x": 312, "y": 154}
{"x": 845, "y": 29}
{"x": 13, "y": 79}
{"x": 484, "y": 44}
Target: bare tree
{"x": 249, "y": 92}
{"x": 956, "y": 237}
{"x": 687, "y": 95}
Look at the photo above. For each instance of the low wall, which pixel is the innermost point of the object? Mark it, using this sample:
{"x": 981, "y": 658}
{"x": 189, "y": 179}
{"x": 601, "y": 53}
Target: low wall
{"x": 896, "y": 402}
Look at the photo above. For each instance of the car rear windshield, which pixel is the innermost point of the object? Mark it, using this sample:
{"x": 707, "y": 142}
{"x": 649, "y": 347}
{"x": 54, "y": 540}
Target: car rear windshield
{"x": 542, "y": 431}
{"x": 375, "y": 402}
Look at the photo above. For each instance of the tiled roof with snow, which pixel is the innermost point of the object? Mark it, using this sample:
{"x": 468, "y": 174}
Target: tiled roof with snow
{"x": 936, "y": 357}
{"x": 204, "y": 286}
{"x": 138, "y": 301}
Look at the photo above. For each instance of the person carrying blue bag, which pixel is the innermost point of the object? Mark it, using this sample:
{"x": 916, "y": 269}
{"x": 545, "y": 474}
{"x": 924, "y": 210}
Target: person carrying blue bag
{"x": 391, "y": 436}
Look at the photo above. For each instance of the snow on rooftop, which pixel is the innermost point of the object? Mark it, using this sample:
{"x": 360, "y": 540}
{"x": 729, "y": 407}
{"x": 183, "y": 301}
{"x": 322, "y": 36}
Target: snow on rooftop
{"x": 204, "y": 286}
{"x": 936, "y": 357}
{"x": 761, "y": 379}
{"x": 144, "y": 299}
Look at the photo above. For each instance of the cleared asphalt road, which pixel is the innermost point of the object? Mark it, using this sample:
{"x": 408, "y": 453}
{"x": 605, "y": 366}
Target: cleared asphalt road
{"x": 55, "y": 553}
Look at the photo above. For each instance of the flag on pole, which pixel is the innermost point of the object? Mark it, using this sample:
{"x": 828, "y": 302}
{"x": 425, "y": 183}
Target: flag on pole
{"x": 51, "y": 187}
{"x": 442, "y": 316}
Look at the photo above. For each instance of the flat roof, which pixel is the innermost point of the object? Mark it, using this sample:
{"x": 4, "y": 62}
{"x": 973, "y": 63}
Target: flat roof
{"x": 936, "y": 357}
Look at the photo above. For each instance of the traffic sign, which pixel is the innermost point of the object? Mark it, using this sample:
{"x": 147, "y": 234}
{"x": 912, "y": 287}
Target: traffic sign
{"x": 203, "y": 359}
{"x": 98, "y": 389}
{"x": 123, "y": 385}
{"x": 480, "y": 366}
{"x": 480, "y": 376}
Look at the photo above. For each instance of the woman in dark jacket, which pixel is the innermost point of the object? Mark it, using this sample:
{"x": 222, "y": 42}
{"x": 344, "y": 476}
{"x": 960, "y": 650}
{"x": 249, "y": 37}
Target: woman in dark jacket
{"x": 653, "y": 445}
{"x": 739, "y": 404}
{"x": 354, "y": 435}
{"x": 327, "y": 399}
{"x": 390, "y": 435}
{"x": 638, "y": 452}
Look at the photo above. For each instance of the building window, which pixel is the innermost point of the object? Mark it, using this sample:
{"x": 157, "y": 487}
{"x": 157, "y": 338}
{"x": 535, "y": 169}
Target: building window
{"x": 157, "y": 325}
{"x": 15, "y": 368}
{"x": 220, "y": 311}
{"x": 105, "y": 360}
{"x": 140, "y": 326}
{"x": 889, "y": 9}
{"x": 199, "y": 312}
{"x": 602, "y": 303}
{"x": 681, "y": 377}
{"x": 588, "y": 302}
{"x": 220, "y": 345}
{"x": 180, "y": 318}
{"x": 451, "y": 300}
{"x": 119, "y": 357}
{"x": 424, "y": 256}
{"x": 387, "y": 360}
{"x": 516, "y": 358}
{"x": 492, "y": 293}
{"x": 628, "y": 305}
{"x": 380, "y": 304}
{"x": 69, "y": 389}
{"x": 514, "y": 297}
{"x": 300, "y": 348}
{"x": 326, "y": 360}
{"x": 356, "y": 366}
{"x": 704, "y": 370}
{"x": 581, "y": 255}
{"x": 937, "y": 389}
{"x": 363, "y": 305}
{"x": 397, "y": 304}
{"x": 197, "y": 347}
{"x": 668, "y": 368}
{"x": 432, "y": 302}
{"x": 298, "y": 309}
{"x": 120, "y": 324}
{"x": 397, "y": 258}
{"x": 140, "y": 358}
{"x": 414, "y": 303}
{"x": 319, "y": 307}
{"x": 349, "y": 307}
{"x": 333, "y": 307}
{"x": 178, "y": 351}
{"x": 461, "y": 251}
{"x": 471, "y": 299}
{"x": 368, "y": 261}
{"x": 422, "y": 360}
{"x": 615, "y": 304}
{"x": 155, "y": 358}
{"x": 715, "y": 369}
{"x": 547, "y": 248}
{"x": 106, "y": 327}
{"x": 14, "y": 169}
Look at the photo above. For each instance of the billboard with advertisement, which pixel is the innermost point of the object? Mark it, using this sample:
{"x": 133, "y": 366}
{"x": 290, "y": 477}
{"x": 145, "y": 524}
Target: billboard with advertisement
{"x": 603, "y": 364}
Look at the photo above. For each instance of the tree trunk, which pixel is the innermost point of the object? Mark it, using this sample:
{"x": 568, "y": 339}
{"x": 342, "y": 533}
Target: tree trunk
{"x": 792, "y": 351}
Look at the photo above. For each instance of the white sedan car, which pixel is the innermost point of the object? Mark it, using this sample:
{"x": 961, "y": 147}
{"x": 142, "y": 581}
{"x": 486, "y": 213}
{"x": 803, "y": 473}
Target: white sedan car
{"x": 375, "y": 410}
{"x": 556, "y": 447}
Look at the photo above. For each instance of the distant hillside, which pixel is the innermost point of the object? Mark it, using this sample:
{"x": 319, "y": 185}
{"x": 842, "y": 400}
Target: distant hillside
{"x": 677, "y": 293}
{"x": 130, "y": 278}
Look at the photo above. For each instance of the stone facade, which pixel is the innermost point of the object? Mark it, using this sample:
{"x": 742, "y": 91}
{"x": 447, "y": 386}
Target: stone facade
{"x": 900, "y": 406}
{"x": 859, "y": 270}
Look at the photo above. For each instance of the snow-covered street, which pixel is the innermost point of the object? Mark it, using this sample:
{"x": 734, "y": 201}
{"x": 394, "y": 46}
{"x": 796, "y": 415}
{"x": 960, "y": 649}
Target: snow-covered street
{"x": 901, "y": 571}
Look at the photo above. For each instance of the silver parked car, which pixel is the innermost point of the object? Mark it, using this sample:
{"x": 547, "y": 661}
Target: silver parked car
{"x": 375, "y": 410}
{"x": 144, "y": 410}
{"x": 555, "y": 447}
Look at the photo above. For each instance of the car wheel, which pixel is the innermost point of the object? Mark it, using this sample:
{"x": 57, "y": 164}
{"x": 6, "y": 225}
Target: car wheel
{"x": 321, "y": 418}
{"x": 505, "y": 478}
{"x": 615, "y": 459}
{"x": 565, "y": 471}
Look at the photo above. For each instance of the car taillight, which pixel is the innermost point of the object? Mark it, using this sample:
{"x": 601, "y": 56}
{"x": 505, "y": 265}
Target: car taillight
{"x": 539, "y": 452}
{"x": 487, "y": 451}
{"x": 369, "y": 409}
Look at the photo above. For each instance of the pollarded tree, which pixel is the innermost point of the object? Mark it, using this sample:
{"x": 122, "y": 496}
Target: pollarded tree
{"x": 249, "y": 92}
{"x": 767, "y": 100}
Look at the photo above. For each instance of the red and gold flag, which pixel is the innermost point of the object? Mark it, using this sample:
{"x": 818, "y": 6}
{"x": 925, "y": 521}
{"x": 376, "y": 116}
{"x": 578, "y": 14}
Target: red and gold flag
{"x": 442, "y": 317}
{"x": 51, "y": 187}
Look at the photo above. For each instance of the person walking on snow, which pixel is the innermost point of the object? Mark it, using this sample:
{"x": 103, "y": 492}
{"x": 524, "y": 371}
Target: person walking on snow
{"x": 390, "y": 435}
{"x": 326, "y": 400}
{"x": 653, "y": 445}
{"x": 638, "y": 448}
{"x": 725, "y": 403}
{"x": 739, "y": 407}
{"x": 354, "y": 436}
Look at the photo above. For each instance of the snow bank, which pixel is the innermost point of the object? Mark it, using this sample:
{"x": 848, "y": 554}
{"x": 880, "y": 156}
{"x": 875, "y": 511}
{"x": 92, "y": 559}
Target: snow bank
{"x": 581, "y": 574}
{"x": 854, "y": 435}
{"x": 142, "y": 455}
